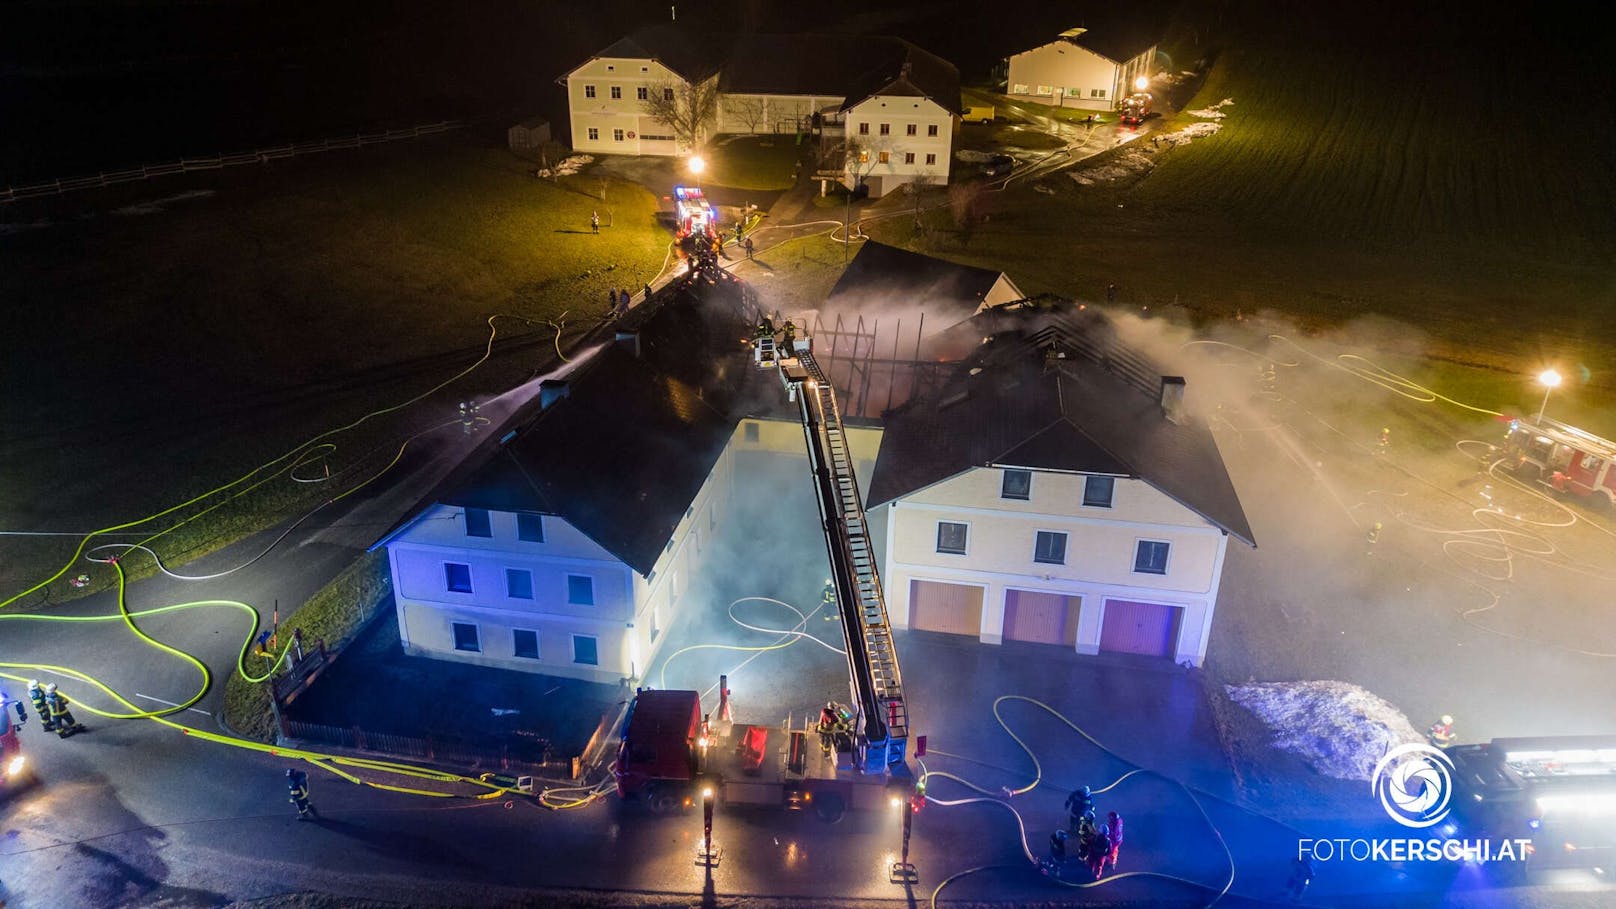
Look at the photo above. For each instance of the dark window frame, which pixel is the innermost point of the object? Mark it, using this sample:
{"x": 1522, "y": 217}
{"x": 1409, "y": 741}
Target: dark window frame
{"x": 516, "y": 647}
{"x": 1144, "y": 565}
{"x": 965, "y": 537}
{"x": 1038, "y": 554}
{"x": 479, "y": 523}
{"x": 1091, "y": 485}
{"x": 510, "y": 588}
{"x": 1018, "y": 474}
{"x": 594, "y": 643}
{"x": 449, "y": 577}
{"x": 527, "y": 523}
{"x": 590, "y": 580}
{"x": 476, "y": 637}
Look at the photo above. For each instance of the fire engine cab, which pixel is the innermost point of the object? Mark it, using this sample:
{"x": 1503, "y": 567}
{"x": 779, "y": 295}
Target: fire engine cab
{"x": 1567, "y": 458}
{"x": 1559, "y": 791}
{"x": 12, "y": 761}
{"x": 1134, "y": 109}
{"x": 693, "y": 213}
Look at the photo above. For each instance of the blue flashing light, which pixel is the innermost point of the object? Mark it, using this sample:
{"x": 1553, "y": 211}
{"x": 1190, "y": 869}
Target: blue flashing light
{"x": 1535, "y": 823}
{"x": 1450, "y": 829}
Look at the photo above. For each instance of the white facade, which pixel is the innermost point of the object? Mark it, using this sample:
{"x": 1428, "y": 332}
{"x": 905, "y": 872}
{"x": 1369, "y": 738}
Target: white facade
{"x": 895, "y": 139}
{"x": 1064, "y": 74}
{"x": 1100, "y": 552}
{"x": 564, "y": 606}
{"x": 606, "y": 103}
{"x": 772, "y": 113}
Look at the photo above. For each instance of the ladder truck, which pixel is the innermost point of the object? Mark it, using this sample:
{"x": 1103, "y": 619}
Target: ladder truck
{"x": 855, "y": 756}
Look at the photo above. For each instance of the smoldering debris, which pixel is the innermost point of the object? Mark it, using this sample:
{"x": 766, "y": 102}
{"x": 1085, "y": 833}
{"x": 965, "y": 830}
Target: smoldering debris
{"x": 1339, "y": 729}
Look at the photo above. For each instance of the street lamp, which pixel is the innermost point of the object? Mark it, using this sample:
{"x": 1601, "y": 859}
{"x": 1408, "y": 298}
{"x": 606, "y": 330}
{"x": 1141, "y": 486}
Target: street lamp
{"x": 697, "y": 165}
{"x": 1550, "y": 380}
{"x": 1141, "y": 83}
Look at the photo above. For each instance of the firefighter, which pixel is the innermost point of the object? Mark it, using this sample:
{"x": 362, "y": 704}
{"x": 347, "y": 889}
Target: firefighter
{"x": 1080, "y": 805}
{"x": 1113, "y": 826}
{"x": 1057, "y": 847}
{"x": 1441, "y": 731}
{"x": 829, "y": 720}
{"x": 765, "y": 328}
{"x": 1099, "y": 849}
{"x": 297, "y": 785}
{"x": 827, "y": 601}
{"x": 61, "y": 716}
{"x": 1385, "y": 439}
{"x": 594, "y": 221}
{"x": 788, "y": 335}
{"x": 37, "y": 695}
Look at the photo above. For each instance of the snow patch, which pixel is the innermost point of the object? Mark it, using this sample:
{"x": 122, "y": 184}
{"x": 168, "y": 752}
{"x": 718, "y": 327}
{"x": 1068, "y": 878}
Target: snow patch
{"x": 1340, "y": 729}
{"x": 17, "y": 227}
{"x": 1137, "y": 160}
{"x": 566, "y": 167}
{"x": 1215, "y": 112}
{"x": 160, "y": 205}
{"x": 972, "y": 157}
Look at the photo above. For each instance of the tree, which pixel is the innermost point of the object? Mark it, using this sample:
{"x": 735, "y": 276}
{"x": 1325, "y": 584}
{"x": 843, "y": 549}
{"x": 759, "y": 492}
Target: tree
{"x": 688, "y": 110}
{"x": 747, "y": 110}
{"x": 962, "y": 202}
{"x": 917, "y": 187}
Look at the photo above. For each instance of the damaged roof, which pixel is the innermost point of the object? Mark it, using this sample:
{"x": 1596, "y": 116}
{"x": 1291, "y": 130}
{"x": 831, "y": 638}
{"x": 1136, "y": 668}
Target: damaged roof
{"x": 888, "y": 272}
{"x": 1054, "y": 389}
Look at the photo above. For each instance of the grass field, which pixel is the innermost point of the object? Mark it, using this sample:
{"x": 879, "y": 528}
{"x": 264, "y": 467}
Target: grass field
{"x": 181, "y": 333}
{"x": 753, "y": 162}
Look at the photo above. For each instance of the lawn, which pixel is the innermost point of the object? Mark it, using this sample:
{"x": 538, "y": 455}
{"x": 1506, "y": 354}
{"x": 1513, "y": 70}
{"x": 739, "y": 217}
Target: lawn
{"x": 179, "y": 333}
{"x": 753, "y": 162}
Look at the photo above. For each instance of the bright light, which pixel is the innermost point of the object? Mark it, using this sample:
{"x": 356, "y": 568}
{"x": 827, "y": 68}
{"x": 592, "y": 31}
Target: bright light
{"x": 702, "y": 742}
{"x": 1550, "y": 378}
{"x": 1141, "y": 83}
{"x": 1584, "y": 803}
{"x": 697, "y": 164}
{"x": 896, "y": 801}
{"x": 15, "y": 767}
{"x": 707, "y": 793}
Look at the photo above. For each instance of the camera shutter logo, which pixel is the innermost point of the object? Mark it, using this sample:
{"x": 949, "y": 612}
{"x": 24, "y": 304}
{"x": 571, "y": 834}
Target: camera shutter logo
{"x": 1414, "y": 783}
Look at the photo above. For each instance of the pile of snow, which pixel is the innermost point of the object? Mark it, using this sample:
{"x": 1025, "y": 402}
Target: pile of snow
{"x": 159, "y": 205}
{"x": 566, "y": 168}
{"x": 1192, "y": 132}
{"x": 1128, "y": 163}
{"x": 1341, "y": 730}
{"x": 972, "y": 157}
{"x": 1215, "y": 112}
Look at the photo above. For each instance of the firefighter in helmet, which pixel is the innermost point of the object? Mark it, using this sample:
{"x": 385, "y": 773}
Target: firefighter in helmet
{"x": 827, "y": 601}
{"x": 788, "y": 337}
{"x": 61, "y": 716}
{"x": 834, "y": 722}
{"x": 297, "y": 785}
{"x": 1441, "y": 731}
{"x": 1080, "y": 807}
{"x": 37, "y": 695}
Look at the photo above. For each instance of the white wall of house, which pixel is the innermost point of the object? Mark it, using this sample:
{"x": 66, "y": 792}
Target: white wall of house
{"x": 748, "y": 113}
{"x": 1066, "y": 75}
{"x": 1100, "y": 549}
{"x": 899, "y": 139}
{"x": 605, "y": 100}
{"x": 625, "y": 622}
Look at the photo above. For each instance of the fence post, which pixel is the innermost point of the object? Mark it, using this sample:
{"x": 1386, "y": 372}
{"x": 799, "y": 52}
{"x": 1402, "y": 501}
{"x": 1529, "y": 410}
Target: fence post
{"x": 359, "y": 739}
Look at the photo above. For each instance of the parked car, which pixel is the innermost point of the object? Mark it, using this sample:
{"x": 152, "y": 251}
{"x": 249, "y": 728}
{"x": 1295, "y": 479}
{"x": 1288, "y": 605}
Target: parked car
{"x": 999, "y": 166}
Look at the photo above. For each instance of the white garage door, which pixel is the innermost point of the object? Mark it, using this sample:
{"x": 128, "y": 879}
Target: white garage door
{"x": 1042, "y": 618}
{"x": 1147, "y": 628}
{"x": 951, "y": 608}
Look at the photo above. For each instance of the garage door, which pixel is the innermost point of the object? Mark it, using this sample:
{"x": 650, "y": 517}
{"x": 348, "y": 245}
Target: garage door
{"x": 1147, "y": 628}
{"x": 1042, "y": 618}
{"x": 953, "y": 608}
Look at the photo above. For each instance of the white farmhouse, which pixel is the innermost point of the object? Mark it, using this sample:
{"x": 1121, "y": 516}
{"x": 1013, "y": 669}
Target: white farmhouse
{"x": 1052, "y": 490}
{"x": 1083, "y": 69}
{"x": 894, "y": 104}
{"x": 564, "y": 545}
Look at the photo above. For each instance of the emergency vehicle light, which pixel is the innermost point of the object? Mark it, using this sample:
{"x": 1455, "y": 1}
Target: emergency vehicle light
{"x": 1585, "y": 803}
{"x": 15, "y": 766}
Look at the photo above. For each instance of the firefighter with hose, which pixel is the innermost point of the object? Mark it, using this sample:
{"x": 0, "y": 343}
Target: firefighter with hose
{"x": 297, "y": 785}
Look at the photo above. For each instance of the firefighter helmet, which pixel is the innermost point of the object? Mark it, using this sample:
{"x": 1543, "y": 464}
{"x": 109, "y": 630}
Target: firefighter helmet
{"x": 50, "y": 689}
{"x": 291, "y": 773}
{"x": 1447, "y": 720}
{"x": 1086, "y": 791}
{"x": 33, "y": 685}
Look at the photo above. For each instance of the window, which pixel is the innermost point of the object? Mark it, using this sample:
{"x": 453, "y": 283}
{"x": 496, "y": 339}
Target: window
{"x": 864, "y": 129}
{"x": 519, "y": 584}
{"x": 1097, "y": 93}
{"x": 465, "y": 637}
{"x": 589, "y": 91}
{"x": 864, "y": 156}
{"x": 525, "y": 644}
{"x": 885, "y": 157}
{"x": 585, "y": 649}
{"x": 1049, "y": 548}
{"x": 529, "y": 527}
{"x": 642, "y": 93}
{"x": 751, "y": 432}
{"x": 951, "y": 537}
{"x": 1150, "y": 557}
{"x": 1097, "y": 491}
{"x": 617, "y": 93}
{"x": 1018, "y": 89}
{"x": 457, "y": 577}
{"x": 667, "y": 94}
{"x": 931, "y": 159}
{"x": 911, "y": 129}
{"x": 617, "y": 135}
{"x": 645, "y": 69}
{"x": 932, "y": 130}
{"x": 610, "y": 68}
{"x": 594, "y": 134}
{"x": 908, "y": 157}
{"x": 886, "y": 129}
{"x": 477, "y": 524}
{"x": 1074, "y": 93}
{"x": 1045, "y": 90}
{"x": 1017, "y": 484}
{"x": 580, "y": 590}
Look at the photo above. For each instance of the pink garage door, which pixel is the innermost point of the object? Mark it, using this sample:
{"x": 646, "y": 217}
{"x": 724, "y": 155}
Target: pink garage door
{"x": 952, "y": 608}
{"x": 1147, "y": 628}
{"x": 1042, "y": 618}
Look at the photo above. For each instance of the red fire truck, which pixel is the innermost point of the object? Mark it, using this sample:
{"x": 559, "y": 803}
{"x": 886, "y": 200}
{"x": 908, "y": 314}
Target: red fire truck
{"x": 1134, "y": 109}
{"x": 12, "y": 762}
{"x": 1567, "y": 458}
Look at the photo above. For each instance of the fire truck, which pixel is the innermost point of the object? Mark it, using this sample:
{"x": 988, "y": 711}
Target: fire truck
{"x": 1567, "y": 458}
{"x": 853, "y": 757}
{"x": 1558, "y": 791}
{"x": 1134, "y": 109}
{"x": 12, "y": 762}
{"x": 694, "y": 218}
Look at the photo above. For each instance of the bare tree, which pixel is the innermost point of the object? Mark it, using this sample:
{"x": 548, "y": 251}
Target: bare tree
{"x": 917, "y": 189}
{"x": 688, "y": 110}
{"x": 962, "y": 203}
{"x": 747, "y": 110}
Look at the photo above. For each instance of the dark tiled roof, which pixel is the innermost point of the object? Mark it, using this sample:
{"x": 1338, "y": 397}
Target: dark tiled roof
{"x": 685, "y": 52}
{"x": 900, "y": 68}
{"x": 1118, "y": 42}
{"x": 624, "y": 453}
{"x": 881, "y": 272}
{"x": 1017, "y": 402}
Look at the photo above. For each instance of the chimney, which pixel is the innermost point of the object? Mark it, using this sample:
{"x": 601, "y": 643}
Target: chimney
{"x": 551, "y": 391}
{"x": 630, "y": 341}
{"x": 1172, "y": 398}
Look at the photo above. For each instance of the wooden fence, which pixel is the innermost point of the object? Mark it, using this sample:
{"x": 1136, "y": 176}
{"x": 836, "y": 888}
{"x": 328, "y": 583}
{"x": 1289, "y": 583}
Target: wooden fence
{"x": 188, "y": 165}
